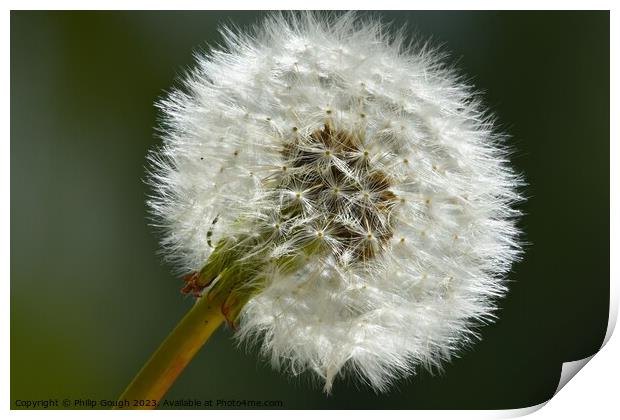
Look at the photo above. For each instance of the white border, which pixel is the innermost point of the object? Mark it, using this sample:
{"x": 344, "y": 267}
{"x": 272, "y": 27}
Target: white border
{"x": 593, "y": 394}
{"x": 315, "y": 5}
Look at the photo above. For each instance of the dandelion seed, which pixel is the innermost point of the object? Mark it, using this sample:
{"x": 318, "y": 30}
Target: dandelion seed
{"x": 362, "y": 202}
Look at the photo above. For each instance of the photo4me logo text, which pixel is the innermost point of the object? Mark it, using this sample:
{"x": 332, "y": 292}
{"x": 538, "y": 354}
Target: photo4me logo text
{"x": 87, "y": 403}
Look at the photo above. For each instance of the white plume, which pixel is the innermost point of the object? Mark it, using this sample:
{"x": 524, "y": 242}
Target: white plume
{"x": 360, "y": 176}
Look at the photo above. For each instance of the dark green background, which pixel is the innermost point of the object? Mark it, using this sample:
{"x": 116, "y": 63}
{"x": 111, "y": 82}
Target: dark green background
{"x": 90, "y": 299}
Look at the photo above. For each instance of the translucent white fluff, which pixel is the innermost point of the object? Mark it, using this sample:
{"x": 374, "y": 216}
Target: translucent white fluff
{"x": 327, "y": 138}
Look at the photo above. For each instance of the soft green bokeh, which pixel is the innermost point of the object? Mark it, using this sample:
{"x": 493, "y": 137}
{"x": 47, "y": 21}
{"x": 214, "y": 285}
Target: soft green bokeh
{"x": 90, "y": 299}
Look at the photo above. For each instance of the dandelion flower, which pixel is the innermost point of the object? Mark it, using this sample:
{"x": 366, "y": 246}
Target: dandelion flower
{"x": 346, "y": 193}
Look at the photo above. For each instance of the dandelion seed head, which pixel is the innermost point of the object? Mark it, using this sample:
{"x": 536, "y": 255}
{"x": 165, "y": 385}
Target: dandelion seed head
{"x": 361, "y": 177}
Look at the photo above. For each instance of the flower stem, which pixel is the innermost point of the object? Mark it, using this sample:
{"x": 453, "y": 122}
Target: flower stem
{"x": 165, "y": 365}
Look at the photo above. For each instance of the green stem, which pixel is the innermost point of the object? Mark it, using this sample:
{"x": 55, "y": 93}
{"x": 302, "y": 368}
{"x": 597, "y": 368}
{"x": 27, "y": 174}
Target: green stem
{"x": 165, "y": 365}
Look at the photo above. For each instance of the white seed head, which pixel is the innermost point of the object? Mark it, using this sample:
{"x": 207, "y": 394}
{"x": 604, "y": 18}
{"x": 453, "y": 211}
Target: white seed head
{"x": 360, "y": 179}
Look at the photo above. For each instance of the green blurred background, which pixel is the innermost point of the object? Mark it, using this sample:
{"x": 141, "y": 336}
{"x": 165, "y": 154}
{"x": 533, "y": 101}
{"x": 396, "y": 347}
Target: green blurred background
{"x": 90, "y": 299}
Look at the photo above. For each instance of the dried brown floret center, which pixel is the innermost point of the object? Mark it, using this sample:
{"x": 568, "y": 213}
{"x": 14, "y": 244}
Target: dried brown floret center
{"x": 333, "y": 170}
